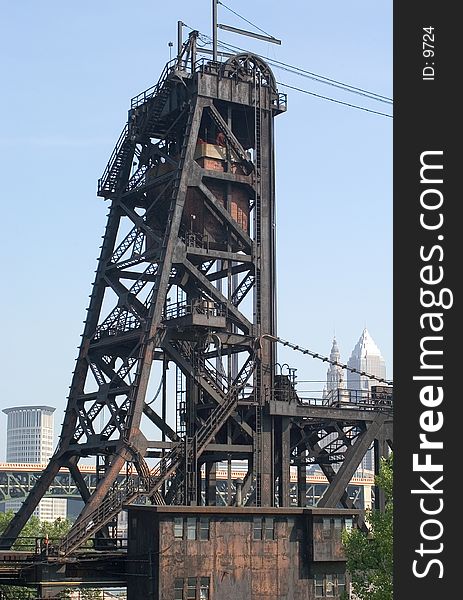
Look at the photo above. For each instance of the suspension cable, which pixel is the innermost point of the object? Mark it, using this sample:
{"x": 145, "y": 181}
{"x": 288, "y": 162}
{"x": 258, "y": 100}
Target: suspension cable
{"x": 325, "y": 359}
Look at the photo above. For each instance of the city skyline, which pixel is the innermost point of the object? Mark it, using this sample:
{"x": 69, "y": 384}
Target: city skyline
{"x": 341, "y": 383}
{"x": 365, "y": 356}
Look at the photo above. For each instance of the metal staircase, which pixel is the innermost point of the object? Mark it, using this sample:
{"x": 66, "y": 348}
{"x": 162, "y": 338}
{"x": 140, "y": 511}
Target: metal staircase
{"x": 146, "y": 108}
{"x": 107, "y": 184}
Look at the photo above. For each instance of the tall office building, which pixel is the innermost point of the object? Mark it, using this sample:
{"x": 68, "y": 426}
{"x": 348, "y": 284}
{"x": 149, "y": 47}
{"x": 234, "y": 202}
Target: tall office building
{"x": 29, "y": 439}
{"x": 335, "y": 374}
{"x": 365, "y": 357}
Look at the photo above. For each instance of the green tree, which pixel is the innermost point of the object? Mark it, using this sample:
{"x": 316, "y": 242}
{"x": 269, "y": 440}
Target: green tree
{"x": 369, "y": 556}
{"x": 36, "y": 530}
{"x": 33, "y": 530}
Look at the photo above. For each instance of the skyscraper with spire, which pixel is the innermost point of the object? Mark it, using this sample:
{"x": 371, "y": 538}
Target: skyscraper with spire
{"x": 335, "y": 374}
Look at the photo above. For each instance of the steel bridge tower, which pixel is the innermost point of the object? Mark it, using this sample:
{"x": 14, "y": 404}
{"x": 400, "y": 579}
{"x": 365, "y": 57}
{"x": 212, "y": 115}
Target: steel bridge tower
{"x": 185, "y": 285}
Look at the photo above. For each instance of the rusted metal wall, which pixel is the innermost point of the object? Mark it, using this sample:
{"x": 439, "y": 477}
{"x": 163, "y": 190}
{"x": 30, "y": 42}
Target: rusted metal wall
{"x": 237, "y": 565}
{"x": 326, "y": 538}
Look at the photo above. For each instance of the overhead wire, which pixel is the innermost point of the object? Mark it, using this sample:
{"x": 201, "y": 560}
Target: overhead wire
{"x": 315, "y": 76}
{"x": 321, "y": 96}
{"x": 243, "y": 18}
{"x": 305, "y": 73}
{"x": 308, "y": 74}
{"x": 376, "y": 112}
{"x": 331, "y": 82}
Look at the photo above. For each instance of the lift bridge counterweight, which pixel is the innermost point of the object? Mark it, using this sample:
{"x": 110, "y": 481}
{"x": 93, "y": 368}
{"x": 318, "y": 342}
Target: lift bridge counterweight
{"x": 188, "y": 266}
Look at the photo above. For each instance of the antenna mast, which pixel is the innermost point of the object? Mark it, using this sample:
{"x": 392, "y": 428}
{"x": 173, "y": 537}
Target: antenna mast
{"x": 214, "y": 30}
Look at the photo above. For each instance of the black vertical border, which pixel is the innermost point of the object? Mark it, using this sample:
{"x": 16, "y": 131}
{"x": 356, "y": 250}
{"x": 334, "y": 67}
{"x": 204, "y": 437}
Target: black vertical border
{"x": 427, "y": 117}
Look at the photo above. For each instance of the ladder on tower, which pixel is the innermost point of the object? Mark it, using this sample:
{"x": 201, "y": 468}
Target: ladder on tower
{"x": 180, "y": 392}
{"x": 258, "y": 450}
{"x": 258, "y": 455}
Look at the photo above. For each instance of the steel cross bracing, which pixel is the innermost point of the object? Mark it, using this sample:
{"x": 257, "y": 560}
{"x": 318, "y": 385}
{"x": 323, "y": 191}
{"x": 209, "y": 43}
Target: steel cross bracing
{"x": 186, "y": 277}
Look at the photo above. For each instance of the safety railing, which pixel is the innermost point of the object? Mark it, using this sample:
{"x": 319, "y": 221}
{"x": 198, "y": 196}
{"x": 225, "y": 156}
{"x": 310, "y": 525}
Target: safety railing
{"x": 347, "y": 398}
{"x": 152, "y": 91}
{"x": 208, "y": 308}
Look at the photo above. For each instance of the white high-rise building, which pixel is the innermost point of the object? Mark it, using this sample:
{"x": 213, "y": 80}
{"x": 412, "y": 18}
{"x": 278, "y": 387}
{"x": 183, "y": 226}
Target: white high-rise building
{"x": 365, "y": 357}
{"x": 29, "y": 439}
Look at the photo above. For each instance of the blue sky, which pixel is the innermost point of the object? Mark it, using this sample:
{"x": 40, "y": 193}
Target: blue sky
{"x": 69, "y": 71}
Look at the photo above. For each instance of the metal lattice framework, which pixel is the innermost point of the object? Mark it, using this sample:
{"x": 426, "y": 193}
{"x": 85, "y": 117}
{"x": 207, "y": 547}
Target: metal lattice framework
{"x": 186, "y": 277}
